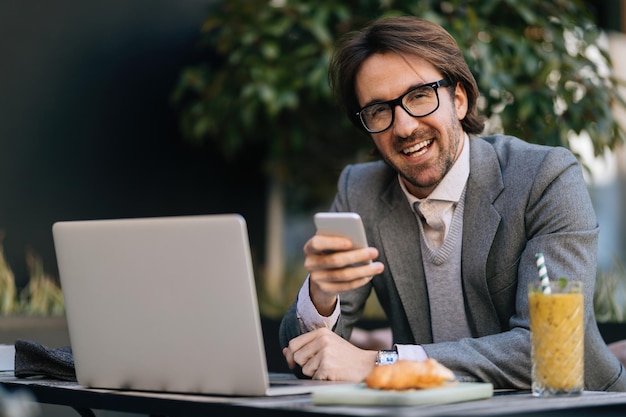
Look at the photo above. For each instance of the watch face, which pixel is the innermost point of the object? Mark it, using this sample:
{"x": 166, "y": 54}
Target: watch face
{"x": 386, "y": 357}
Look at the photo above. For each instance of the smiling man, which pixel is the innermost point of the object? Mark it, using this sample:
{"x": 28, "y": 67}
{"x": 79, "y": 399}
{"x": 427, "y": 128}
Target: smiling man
{"x": 454, "y": 221}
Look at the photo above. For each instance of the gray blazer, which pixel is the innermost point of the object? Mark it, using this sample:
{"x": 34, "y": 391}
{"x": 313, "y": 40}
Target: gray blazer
{"x": 521, "y": 199}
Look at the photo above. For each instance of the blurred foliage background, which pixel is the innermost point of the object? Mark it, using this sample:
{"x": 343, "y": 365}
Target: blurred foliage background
{"x": 259, "y": 86}
{"x": 42, "y": 296}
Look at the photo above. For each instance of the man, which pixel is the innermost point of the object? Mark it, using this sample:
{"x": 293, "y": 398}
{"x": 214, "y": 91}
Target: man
{"x": 454, "y": 224}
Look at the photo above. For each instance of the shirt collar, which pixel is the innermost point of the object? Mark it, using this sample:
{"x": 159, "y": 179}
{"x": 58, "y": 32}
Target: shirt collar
{"x": 451, "y": 186}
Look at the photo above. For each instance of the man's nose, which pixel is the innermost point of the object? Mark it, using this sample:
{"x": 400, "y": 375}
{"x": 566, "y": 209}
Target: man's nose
{"x": 404, "y": 124}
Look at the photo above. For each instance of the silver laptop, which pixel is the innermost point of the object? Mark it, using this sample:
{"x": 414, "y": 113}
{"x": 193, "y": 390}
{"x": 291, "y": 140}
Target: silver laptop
{"x": 165, "y": 304}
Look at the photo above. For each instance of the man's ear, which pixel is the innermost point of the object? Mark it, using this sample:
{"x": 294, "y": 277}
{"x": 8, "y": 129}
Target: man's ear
{"x": 460, "y": 101}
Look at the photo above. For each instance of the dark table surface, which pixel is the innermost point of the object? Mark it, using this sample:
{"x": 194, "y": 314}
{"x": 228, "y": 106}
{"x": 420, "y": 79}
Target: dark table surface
{"x": 164, "y": 404}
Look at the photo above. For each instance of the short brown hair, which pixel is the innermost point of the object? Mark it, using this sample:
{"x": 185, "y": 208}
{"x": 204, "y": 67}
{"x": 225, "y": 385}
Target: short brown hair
{"x": 405, "y": 35}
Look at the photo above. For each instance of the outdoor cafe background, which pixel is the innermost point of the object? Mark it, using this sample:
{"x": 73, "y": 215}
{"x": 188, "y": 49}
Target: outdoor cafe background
{"x": 92, "y": 96}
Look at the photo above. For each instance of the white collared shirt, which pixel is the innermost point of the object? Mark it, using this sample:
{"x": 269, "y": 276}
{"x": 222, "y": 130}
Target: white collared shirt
{"x": 444, "y": 197}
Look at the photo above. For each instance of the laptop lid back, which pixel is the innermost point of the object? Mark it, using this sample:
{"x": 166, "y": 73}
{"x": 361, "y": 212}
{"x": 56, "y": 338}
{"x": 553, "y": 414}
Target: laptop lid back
{"x": 162, "y": 304}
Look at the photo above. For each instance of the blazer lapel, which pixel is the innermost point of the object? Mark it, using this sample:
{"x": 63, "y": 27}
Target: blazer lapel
{"x": 399, "y": 234}
{"x": 480, "y": 223}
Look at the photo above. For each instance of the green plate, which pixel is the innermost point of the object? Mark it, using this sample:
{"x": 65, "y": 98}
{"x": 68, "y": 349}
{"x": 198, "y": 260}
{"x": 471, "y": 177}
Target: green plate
{"x": 361, "y": 395}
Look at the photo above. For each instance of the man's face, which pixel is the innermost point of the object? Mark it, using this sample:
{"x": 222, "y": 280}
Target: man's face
{"x": 422, "y": 149}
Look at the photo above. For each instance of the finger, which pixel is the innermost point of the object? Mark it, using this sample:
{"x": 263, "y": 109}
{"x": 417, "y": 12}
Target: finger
{"x": 311, "y": 367}
{"x": 291, "y": 363}
{"x": 325, "y": 341}
{"x": 340, "y": 259}
{"x": 289, "y": 358}
{"x": 302, "y": 357}
{"x": 349, "y": 277}
{"x": 301, "y": 341}
{"x": 308, "y": 354}
{"x": 325, "y": 243}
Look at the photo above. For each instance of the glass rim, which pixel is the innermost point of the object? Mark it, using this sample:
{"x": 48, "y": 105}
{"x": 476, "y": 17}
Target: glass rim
{"x": 558, "y": 286}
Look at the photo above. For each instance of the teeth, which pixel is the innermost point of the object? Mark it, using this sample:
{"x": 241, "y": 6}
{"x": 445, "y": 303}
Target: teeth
{"x": 418, "y": 147}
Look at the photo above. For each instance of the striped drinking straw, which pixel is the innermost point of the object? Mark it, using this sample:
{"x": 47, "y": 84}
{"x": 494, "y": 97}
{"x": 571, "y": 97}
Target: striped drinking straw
{"x": 543, "y": 273}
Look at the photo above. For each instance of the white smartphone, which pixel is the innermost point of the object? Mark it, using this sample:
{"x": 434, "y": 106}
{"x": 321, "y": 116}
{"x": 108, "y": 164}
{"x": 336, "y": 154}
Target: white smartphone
{"x": 342, "y": 224}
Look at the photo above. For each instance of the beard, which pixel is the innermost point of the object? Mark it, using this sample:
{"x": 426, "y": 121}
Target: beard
{"x": 441, "y": 166}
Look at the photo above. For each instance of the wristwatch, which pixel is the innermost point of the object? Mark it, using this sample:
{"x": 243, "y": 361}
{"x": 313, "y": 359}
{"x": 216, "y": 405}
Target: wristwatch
{"x": 386, "y": 357}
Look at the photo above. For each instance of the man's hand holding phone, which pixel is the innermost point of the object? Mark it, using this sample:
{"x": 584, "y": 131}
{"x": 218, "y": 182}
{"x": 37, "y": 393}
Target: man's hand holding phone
{"x": 338, "y": 258}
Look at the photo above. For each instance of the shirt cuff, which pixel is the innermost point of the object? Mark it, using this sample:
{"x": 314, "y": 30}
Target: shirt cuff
{"x": 411, "y": 352}
{"x": 308, "y": 315}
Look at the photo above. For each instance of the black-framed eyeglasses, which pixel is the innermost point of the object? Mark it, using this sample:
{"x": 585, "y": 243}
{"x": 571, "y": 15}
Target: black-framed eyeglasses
{"x": 418, "y": 102}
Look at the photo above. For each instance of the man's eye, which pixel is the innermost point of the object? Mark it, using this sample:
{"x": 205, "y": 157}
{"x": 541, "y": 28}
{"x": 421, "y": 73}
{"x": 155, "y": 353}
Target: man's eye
{"x": 376, "y": 111}
{"x": 419, "y": 94}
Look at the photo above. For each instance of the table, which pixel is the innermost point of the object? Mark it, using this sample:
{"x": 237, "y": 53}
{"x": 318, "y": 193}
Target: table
{"x": 512, "y": 404}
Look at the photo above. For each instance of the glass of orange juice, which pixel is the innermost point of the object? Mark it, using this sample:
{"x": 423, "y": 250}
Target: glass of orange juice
{"x": 557, "y": 338}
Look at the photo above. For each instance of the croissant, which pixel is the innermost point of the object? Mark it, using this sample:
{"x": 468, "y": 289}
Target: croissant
{"x": 404, "y": 375}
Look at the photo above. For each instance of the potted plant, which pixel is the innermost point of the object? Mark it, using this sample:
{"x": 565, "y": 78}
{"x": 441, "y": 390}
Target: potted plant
{"x": 37, "y": 312}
